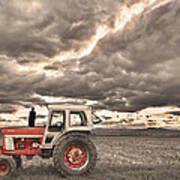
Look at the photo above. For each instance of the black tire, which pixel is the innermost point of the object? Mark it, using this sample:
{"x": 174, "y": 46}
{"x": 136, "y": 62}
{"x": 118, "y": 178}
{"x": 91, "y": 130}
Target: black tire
{"x": 79, "y": 144}
{"x": 7, "y": 167}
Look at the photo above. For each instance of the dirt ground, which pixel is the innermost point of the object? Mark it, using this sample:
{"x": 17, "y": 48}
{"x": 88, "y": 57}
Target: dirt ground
{"x": 121, "y": 158}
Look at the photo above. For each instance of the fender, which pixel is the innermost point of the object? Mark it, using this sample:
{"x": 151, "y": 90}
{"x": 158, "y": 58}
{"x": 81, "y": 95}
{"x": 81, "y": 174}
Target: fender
{"x": 60, "y": 136}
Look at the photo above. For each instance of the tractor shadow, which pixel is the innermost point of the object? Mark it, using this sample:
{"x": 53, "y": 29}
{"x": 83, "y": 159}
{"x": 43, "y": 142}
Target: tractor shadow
{"x": 37, "y": 173}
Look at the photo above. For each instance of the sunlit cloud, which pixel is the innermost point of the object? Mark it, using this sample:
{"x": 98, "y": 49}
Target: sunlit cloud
{"x": 56, "y": 100}
{"x": 39, "y": 68}
{"x": 159, "y": 110}
{"x": 87, "y": 48}
{"x": 124, "y": 16}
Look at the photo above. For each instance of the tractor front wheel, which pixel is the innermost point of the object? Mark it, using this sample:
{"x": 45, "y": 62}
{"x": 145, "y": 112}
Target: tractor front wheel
{"x": 7, "y": 167}
{"x": 75, "y": 155}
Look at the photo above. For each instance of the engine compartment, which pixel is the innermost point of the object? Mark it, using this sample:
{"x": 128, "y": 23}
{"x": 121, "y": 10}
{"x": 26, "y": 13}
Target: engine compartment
{"x": 21, "y": 140}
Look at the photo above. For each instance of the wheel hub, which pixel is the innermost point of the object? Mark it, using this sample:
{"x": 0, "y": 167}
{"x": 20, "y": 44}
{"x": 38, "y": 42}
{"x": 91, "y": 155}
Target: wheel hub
{"x": 75, "y": 156}
{"x": 4, "y": 169}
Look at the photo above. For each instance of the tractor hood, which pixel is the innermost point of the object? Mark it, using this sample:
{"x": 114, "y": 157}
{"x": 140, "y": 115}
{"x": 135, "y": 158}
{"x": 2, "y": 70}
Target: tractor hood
{"x": 23, "y": 130}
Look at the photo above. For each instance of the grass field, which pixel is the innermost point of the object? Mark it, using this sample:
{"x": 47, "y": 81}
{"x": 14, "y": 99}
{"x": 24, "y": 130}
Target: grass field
{"x": 121, "y": 158}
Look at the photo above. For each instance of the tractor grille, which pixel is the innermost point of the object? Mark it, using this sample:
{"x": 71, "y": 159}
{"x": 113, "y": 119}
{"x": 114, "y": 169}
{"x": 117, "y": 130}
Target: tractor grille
{"x": 9, "y": 142}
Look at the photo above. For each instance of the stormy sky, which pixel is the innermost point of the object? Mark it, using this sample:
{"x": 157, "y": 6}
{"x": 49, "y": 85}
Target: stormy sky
{"x": 116, "y": 54}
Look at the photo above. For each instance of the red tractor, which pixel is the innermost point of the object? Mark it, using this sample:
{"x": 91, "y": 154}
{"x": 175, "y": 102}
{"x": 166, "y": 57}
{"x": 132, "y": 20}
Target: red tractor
{"x": 66, "y": 138}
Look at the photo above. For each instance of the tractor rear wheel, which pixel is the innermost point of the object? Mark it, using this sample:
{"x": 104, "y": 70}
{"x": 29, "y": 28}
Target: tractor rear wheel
{"x": 7, "y": 167}
{"x": 75, "y": 154}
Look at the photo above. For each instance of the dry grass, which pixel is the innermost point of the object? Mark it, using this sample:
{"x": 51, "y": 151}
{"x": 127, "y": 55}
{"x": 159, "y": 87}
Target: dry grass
{"x": 121, "y": 158}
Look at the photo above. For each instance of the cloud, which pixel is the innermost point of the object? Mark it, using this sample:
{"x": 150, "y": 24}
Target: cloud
{"x": 16, "y": 85}
{"x": 7, "y": 108}
{"x": 129, "y": 70}
{"x": 126, "y": 70}
{"x": 41, "y": 27}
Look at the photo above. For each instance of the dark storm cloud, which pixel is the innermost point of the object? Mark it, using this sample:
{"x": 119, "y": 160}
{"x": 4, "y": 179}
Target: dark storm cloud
{"x": 22, "y": 29}
{"x": 154, "y": 39}
{"x": 7, "y": 108}
{"x": 16, "y": 86}
{"x": 129, "y": 71}
{"x": 136, "y": 68}
{"x": 32, "y": 30}
{"x": 45, "y": 27}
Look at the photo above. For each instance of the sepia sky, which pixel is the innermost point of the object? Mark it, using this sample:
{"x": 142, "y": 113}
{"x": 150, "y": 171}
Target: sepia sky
{"x": 115, "y": 54}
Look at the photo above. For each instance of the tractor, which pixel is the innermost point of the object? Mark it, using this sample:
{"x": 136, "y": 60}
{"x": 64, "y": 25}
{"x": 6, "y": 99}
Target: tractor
{"x": 66, "y": 138}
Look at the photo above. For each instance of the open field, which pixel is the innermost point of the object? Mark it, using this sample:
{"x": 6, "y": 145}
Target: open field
{"x": 121, "y": 158}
